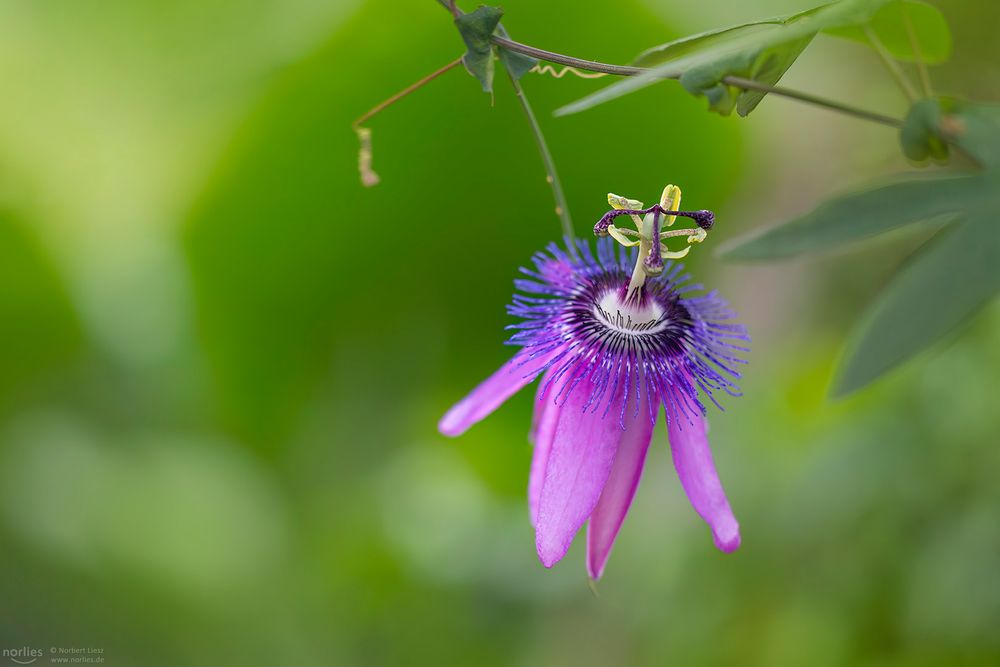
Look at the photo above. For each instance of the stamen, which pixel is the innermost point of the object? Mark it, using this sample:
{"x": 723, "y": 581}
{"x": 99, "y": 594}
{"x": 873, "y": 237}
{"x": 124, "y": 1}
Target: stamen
{"x": 649, "y": 238}
{"x": 621, "y": 235}
{"x": 670, "y": 199}
{"x": 619, "y": 203}
{"x": 696, "y": 235}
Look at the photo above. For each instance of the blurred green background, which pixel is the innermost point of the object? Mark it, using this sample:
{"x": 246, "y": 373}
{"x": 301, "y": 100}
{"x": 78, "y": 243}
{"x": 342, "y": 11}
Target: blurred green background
{"x": 222, "y": 360}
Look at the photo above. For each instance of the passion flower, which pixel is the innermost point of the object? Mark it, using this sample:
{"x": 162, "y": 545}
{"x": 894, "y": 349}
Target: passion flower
{"x": 615, "y": 334}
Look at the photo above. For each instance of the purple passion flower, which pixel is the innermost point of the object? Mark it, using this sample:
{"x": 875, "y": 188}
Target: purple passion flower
{"x": 614, "y": 335}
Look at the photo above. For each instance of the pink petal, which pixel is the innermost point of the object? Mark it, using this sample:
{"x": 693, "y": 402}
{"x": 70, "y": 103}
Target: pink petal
{"x": 540, "y": 404}
{"x": 493, "y": 391}
{"x": 696, "y": 469}
{"x": 579, "y": 462}
{"x": 543, "y": 428}
{"x": 607, "y": 517}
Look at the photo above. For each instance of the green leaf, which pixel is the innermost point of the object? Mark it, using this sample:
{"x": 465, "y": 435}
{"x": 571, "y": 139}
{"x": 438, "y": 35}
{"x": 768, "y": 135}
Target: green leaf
{"x": 476, "y": 29}
{"x": 767, "y": 66}
{"x": 685, "y": 45}
{"x": 733, "y": 51}
{"x": 946, "y": 282}
{"x": 929, "y": 28}
{"x": 951, "y": 277}
{"x": 770, "y": 66}
{"x": 866, "y": 214}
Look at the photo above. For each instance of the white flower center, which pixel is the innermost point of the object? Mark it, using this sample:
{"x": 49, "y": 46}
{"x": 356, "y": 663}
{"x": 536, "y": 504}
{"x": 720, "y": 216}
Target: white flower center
{"x": 629, "y": 318}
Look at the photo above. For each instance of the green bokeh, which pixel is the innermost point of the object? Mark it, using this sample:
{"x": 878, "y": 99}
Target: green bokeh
{"x": 223, "y": 359}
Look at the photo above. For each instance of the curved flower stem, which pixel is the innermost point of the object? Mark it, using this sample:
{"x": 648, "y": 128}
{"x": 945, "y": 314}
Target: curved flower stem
{"x": 552, "y": 177}
{"x": 737, "y": 81}
{"x": 891, "y": 65}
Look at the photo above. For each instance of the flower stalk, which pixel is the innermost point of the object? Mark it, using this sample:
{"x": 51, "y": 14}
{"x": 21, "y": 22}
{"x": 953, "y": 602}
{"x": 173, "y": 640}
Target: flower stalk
{"x": 551, "y": 175}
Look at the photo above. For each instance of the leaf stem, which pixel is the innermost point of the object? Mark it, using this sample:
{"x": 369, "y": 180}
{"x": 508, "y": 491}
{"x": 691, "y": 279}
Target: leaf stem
{"x": 736, "y": 81}
{"x": 552, "y": 177}
{"x": 890, "y": 65}
{"x": 925, "y": 79}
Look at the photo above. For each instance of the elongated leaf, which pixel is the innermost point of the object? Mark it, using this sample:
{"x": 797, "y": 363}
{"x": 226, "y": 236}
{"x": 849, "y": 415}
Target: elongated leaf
{"x": 954, "y": 276}
{"x": 929, "y": 27}
{"x": 679, "y": 47}
{"x": 771, "y": 65}
{"x": 859, "y": 216}
{"x": 735, "y": 51}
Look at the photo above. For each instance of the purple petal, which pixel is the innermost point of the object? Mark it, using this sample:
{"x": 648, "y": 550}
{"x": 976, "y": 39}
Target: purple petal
{"x": 607, "y": 517}
{"x": 696, "y": 469}
{"x": 579, "y": 462}
{"x": 493, "y": 391}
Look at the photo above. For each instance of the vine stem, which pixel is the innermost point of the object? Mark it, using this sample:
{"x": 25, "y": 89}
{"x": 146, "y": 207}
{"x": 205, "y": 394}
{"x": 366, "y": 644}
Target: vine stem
{"x": 368, "y": 176}
{"x": 403, "y": 93}
{"x": 552, "y": 176}
{"x": 737, "y": 81}
{"x": 911, "y": 34}
{"x": 890, "y": 65}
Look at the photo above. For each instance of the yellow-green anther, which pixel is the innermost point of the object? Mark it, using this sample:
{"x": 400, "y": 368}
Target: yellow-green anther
{"x": 695, "y": 235}
{"x": 620, "y": 203}
{"x": 627, "y": 232}
{"x": 621, "y": 235}
{"x": 675, "y": 254}
{"x": 671, "y": 201}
